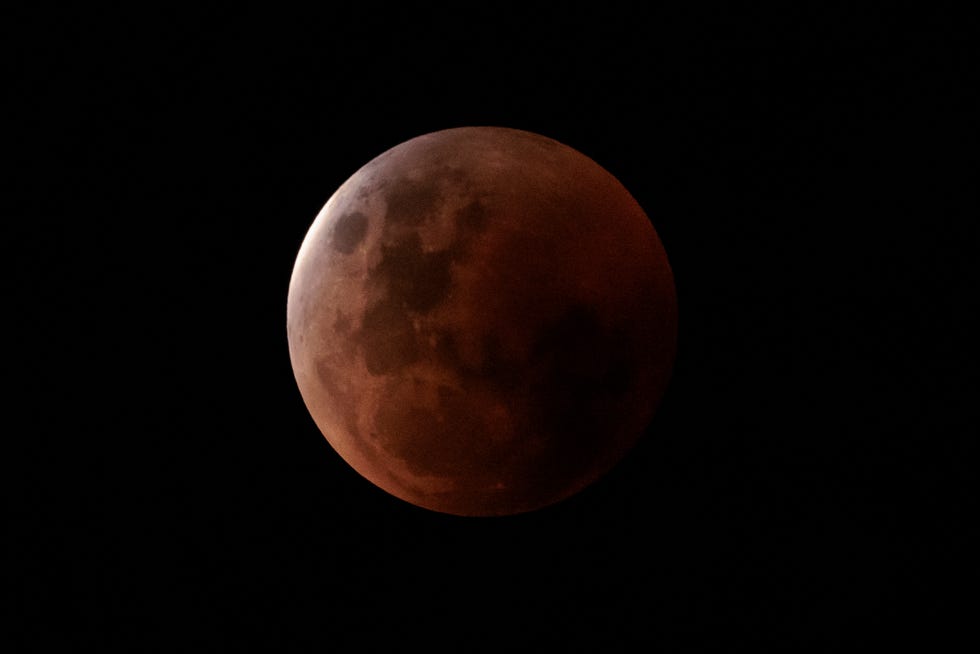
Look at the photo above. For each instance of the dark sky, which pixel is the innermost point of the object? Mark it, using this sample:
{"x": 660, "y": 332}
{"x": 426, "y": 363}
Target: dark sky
{"x": 804, "y": 482}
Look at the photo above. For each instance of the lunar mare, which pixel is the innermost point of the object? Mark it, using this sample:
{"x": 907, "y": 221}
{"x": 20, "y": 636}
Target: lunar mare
{"x": 481, "y": 321}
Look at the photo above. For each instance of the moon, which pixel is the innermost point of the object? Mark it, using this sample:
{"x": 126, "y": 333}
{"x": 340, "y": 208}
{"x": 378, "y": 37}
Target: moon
{"x": 482, "y": 321}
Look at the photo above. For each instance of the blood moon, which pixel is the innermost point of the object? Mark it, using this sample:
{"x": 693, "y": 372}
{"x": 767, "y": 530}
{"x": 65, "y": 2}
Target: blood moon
{"x": 481, "y": 321}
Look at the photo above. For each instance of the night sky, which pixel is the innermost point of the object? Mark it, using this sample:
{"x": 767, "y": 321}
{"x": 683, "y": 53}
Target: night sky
{"x": 804, "y": 482}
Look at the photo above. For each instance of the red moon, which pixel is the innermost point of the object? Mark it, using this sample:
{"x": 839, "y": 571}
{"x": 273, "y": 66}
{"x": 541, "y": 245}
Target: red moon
{"x": 482, "y": 321}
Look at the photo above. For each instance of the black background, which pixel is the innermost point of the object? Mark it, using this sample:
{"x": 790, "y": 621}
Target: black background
{"x": 803, "y": 485}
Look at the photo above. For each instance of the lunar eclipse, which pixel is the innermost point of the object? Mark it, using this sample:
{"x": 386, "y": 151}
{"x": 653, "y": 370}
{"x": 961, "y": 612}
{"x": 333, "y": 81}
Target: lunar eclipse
{"x": 482, "y": 321}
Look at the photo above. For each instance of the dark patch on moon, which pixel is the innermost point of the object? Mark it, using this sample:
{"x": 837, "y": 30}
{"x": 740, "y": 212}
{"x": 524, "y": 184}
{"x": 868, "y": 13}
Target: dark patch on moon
{"x": 411, "y": 202}
{"x": 457, "y": 177}
{"x": 349, "y": 232}
{"x": 387, "y": 337}
{"x": 494, "y": 369}
{"x": 472, "y": 217}
{"x": 419, "y": 279}
{"x": 471, "y": 220}
{"x": 491, "y": 369}
{"x": 444, "y": 350}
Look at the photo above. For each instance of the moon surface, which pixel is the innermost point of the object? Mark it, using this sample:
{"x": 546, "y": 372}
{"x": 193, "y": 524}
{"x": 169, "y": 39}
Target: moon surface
{"x": 482, "y": 321}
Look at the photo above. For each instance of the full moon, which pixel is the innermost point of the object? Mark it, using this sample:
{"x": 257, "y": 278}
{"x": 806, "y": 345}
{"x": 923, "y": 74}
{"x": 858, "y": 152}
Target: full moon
{"x": 482, "y": 321}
